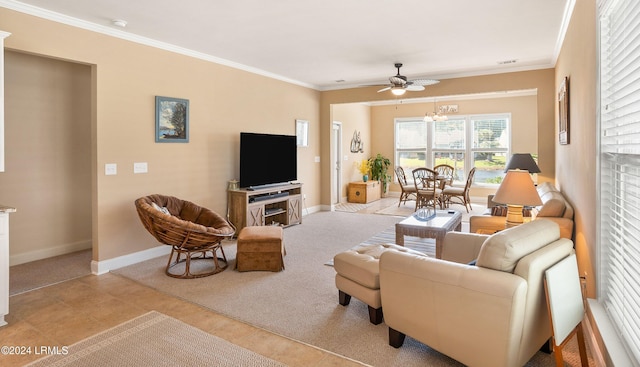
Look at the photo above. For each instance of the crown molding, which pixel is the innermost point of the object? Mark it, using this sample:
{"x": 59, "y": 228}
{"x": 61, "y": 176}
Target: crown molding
{"x": 117, "y": 33}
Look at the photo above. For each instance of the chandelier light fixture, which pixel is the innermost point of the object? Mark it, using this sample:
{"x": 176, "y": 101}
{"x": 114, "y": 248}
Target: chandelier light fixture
{"x": 435, "y": 116}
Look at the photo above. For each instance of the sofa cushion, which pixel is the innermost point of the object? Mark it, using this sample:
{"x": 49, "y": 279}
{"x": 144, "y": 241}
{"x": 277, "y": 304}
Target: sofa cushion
{"x": 554, "y": 205}
{"x": 503, "y": 250}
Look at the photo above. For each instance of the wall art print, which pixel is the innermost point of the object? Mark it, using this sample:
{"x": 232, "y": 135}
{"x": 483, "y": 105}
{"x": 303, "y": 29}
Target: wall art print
{"x": 172, "y": 120}
{"x": 563, "y": 112}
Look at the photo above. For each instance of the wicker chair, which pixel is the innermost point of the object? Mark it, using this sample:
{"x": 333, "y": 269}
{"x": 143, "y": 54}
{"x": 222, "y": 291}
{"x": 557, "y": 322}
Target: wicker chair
{"x": 428, "y": 192}
{"x": 189, "y": 229}
{"x": 447, "y": 173}
{"x": 461, "y": 194}
{"x": 408, "y": 191}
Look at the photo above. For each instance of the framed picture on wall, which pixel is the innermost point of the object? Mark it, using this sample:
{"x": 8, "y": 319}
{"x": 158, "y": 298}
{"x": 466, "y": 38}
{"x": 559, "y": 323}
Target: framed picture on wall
{"x": 563, "y": 111}
{"x": 172, "y": 120}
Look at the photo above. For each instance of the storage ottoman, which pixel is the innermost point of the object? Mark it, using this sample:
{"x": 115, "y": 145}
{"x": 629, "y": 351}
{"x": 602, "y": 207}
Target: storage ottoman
{"x": 260, "y": 248}
{"x": 358, "y": 275}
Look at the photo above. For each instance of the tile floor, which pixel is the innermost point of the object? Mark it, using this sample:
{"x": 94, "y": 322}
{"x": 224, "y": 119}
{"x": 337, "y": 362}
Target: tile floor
{"x": 65, "y": 313}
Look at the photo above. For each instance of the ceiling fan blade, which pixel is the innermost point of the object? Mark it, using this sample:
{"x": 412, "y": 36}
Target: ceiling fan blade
{"x": 415, "y": 88}
{"x": 425, "y": 81}
{"x": 383, "y": 89}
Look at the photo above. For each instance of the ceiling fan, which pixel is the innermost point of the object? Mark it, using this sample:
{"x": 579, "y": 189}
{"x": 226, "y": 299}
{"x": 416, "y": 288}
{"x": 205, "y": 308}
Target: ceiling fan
{"x": 399, "y": 83}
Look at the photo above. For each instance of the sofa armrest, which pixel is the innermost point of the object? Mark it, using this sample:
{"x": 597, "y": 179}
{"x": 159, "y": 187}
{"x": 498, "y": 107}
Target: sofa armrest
{"x": 565, "y": 224}
{"x": 466, "y": 312}
{"x": 488, "y": 223}
{"x": 462, "y": 247}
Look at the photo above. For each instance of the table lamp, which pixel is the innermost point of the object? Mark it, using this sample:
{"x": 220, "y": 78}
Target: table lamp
{"x": 517, "y": 190}
{"x": 522, "y": 161}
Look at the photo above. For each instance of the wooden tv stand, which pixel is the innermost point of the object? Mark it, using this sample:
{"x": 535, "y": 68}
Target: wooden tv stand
{"x": 278, "y": 205}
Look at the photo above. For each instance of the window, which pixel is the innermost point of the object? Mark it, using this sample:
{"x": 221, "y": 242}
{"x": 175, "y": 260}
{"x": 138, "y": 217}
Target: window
{"x": 411, "y": 144}
{"x": 449, "y": 145}
{"x": 490, "y": 148}
{"x": 619, "y": 161}
{"x": 463, "y": 142}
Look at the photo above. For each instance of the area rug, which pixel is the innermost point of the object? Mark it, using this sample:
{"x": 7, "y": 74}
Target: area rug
{"x": 154, "y": 339}
{"x": 425, "y": 245}
{"x": 350, "y": 207}
{"x": 301, "y": 302}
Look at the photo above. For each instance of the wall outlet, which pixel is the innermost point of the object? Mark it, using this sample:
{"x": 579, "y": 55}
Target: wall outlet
{"x": 316, "y": 159}
{"x": 110, "y": 169}
{"x": 140, "y": 167}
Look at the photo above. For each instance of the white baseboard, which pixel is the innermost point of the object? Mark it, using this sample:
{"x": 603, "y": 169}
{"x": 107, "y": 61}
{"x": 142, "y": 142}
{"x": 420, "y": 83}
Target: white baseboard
{"x": 49, "y": 252}
{"x": 102, "y": 267}
{"x": 313, "y": 209}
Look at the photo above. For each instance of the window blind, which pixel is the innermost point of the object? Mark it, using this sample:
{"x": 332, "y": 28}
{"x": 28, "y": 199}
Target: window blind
{"x": 619, "y": 124}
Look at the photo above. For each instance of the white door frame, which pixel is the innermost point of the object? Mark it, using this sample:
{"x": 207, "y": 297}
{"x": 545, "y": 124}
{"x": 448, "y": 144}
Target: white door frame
{"x": 336, "y": 163}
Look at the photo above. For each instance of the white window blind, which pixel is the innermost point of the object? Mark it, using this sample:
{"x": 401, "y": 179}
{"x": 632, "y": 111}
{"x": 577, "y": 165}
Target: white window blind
{"x": 619, "y": 121}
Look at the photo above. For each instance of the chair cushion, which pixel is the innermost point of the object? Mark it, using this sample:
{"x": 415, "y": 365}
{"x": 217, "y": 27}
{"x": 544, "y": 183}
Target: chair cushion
{"x": 409, "y": 188}
{"x": 360, "y": 264}
{"x": 503, "y": 250}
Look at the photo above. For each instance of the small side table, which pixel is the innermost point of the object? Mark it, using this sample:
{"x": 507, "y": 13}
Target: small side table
{"x": 363, "y": 192}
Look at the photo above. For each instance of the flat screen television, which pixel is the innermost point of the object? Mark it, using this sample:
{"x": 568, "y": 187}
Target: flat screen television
{"x": 267, "y": 160}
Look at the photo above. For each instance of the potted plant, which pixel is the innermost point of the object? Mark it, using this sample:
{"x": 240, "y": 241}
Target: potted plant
{"x": 379, "y": 167}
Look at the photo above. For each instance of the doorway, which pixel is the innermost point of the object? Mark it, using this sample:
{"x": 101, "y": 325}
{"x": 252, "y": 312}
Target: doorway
{"x": 48, "y": 117}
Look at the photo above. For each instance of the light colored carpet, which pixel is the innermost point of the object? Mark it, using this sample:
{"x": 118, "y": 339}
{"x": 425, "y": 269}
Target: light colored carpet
{"x": 45, "y": 272}
{"x": 301, "y": 302}
{"x": 155, "y": 339}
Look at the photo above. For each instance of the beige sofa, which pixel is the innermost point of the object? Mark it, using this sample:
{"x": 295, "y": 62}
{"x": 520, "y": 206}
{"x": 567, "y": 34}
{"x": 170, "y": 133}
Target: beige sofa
{"x": 492, "y": 314}
{"x": 554, "y": 207}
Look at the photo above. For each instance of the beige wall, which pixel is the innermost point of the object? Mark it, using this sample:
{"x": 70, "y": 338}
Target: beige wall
{"x": 126, "y": 77}
{"x": 576, "y": 162}
{"x": 354, "y": 117}
{"x": 540, "y": 80}
{"x": 48, "y": 166}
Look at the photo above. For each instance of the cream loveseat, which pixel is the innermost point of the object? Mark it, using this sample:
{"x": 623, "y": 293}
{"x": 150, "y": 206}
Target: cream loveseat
{"x": 554, "y": 207}
{"x": 492, "y": 314}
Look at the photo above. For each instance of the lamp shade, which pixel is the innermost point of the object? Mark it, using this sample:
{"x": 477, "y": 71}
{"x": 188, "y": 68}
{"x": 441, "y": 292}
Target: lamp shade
{"x": 517, "y": 189}
{"x": 522, "y": 161}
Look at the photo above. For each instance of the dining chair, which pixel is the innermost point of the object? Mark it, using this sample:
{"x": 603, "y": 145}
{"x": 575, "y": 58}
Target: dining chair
{"x": 446, "y": 174}
{"x": 408, "y": 190}
{"x": 428, "y": 193}
{"x": 461, "y": 194}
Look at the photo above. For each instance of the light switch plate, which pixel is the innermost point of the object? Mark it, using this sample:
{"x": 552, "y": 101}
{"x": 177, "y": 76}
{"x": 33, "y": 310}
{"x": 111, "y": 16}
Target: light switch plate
{"x": 140, "y": 167}
{"x": 110, "y": 169}
{"x": 316, "y": 159}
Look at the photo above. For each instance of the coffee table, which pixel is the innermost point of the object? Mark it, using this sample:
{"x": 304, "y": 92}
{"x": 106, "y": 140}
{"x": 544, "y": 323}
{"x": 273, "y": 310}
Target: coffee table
{"x": 444, "y": 221}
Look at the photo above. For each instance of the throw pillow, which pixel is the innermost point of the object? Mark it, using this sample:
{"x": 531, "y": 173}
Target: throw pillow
{"x": 499, "y": 211}
{"x": 160, "y": 209}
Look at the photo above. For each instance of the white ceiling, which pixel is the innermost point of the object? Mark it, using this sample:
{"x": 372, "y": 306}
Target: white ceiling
{"x": 317, "y": 43}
